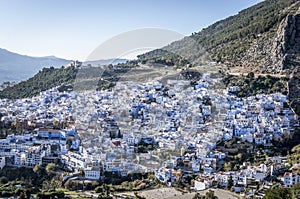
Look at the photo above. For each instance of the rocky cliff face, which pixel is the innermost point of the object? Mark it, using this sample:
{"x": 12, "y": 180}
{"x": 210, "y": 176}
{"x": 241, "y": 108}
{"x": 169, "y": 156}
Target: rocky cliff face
{"x": 286, "y": 47}
{"x": 277, "y": 50}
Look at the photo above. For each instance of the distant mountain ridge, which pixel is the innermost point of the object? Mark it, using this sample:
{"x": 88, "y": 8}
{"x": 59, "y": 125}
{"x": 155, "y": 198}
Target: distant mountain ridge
{"x": 16, "y": 67}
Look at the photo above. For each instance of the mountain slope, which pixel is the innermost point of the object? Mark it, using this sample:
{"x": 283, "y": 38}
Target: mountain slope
{"x": 16, "y": 67}
{"x": 252, "y": 39}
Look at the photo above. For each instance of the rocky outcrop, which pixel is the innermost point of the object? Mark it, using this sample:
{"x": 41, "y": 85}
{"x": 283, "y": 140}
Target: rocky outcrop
{"x": 277, "y": 50}
{"x": 286, "y": 48}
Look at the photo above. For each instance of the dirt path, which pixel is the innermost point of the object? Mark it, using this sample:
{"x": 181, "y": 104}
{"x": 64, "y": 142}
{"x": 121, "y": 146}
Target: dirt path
{"x": 258, "y": 74}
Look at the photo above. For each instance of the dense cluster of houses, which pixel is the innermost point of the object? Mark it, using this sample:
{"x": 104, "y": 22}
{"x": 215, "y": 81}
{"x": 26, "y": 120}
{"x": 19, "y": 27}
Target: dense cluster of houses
{"x": 128, "y": 128}
{"x": 49, "y": 106}
{"x": 259, "y": 119}
{"x": 245, "y": 177}
{"x": 42, "y": 147}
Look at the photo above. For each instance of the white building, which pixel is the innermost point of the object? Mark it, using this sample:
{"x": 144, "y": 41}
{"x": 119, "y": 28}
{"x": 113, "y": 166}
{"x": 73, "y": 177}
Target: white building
{"x": 20, "y": 159}
{"x": 222, "y": 179}
{"x": 202, "y": 184}
{"x": 290, "y": 179}
{"x": 92, "y": 174}
{"x": 33, "y": 158}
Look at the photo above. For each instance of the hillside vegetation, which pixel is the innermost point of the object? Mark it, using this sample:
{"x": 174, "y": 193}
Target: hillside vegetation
{"x": 45, "y": 79}
{"x": 97, "y": 78}
{"x": 251, "y": 86}
{"x": 229, "y": 39}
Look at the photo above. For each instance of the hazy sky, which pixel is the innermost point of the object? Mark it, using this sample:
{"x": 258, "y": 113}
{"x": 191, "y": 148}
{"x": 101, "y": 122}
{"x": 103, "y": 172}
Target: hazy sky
{"x": 72, "y": 29}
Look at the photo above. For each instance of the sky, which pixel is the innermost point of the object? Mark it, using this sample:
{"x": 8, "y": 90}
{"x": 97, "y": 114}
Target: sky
{"x": 73, "y": 29}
